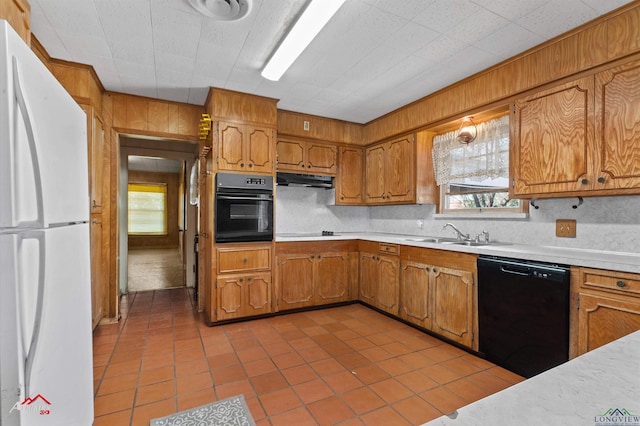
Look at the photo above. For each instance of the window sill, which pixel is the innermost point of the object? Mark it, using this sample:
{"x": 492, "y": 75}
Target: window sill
{"x": 481, "y": 216}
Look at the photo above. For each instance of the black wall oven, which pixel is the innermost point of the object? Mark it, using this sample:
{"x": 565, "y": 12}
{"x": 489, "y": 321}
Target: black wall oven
{"x": 243, "y": 208}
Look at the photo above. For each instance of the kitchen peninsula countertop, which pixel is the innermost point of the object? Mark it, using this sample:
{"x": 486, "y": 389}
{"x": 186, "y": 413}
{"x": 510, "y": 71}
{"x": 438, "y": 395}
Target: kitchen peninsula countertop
{"x": 579, "y": 392}
{"x": 600, "y": 259}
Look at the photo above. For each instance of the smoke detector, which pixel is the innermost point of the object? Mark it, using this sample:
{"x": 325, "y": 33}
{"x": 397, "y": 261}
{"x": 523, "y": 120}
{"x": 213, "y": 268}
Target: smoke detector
{"x": 222, "y": 10}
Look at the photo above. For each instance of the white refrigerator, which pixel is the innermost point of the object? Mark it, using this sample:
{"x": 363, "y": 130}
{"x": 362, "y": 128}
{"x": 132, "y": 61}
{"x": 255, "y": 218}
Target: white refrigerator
{"x": 46, "y": 372}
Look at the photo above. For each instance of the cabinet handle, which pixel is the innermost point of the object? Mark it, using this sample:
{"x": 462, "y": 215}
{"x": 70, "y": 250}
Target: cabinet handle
{"x": 241, "y": 164}
{"x": 621, "y": 284}
{"x": 245, "y": 260}
{"x": 601, "y": 179}
{"x": 248, "y": 279}
{"x": 250, "y": 165}
{"x": 342, "y": 198}
{"x": 95, "y": 205}
{"x": 313, "y": 257}
{"x": 241, "y": 279}
{"x": 435, "y": 270}
{"x": 585, "y": 181}
{"x": 302, "y": 165}
{"x": 309, "y": 166}
{"x": 318, "y": 256}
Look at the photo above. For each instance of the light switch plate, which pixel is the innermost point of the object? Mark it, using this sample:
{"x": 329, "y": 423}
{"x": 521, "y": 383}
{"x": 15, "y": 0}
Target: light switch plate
{"x": 566, "y": 228}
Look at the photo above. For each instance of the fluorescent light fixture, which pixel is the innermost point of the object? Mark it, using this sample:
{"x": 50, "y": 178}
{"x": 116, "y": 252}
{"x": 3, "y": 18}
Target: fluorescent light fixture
{"x": 312, "y": 20}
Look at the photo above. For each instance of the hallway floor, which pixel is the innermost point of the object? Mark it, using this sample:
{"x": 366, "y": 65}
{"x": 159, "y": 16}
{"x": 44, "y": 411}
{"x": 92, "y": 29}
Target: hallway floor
{"x": 154, "y": 269}
{"x": 348, "y": 365}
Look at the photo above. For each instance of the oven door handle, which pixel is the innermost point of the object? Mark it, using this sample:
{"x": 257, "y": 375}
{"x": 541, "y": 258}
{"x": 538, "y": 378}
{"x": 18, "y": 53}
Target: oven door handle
{"x": 244, "y": 198}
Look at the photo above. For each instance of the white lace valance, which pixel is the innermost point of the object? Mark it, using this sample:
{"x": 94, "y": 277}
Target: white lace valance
{"x": 487, "y": 157}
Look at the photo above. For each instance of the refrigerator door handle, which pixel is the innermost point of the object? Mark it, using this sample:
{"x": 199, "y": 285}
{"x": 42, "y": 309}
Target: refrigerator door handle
{"x": 25, "y": 370}
{"x": 30, "y": 129}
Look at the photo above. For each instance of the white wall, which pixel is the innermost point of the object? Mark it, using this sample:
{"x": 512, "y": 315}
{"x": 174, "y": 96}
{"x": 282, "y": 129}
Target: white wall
{"x": 603, "y": 223}
{"x": 305, "y": 210}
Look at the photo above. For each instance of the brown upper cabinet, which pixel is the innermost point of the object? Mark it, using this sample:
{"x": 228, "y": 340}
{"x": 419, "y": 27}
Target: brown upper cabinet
{"x": 578, "y": 138}
{"x": 244, "y": 148}
{"x": 18, "y": 15}
{"x": 390, "y": 172}
{"x": 306, "y": 157}
{"x": 349, "y": 184}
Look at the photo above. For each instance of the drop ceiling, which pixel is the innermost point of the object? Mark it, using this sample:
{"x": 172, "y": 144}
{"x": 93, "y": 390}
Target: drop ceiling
{"x": 373, "y": 57}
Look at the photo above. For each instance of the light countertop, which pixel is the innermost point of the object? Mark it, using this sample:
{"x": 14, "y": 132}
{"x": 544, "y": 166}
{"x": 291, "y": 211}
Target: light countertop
{"x": 579, "y": 392}
{"x": 600, "y": 259}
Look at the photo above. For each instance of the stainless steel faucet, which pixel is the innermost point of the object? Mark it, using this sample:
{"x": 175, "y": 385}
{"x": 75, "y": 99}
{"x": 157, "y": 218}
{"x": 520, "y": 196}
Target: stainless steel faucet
{"x": 460, "y": 235}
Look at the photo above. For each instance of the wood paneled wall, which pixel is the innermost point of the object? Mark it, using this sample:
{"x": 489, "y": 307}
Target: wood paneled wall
{"x": 320, "y": 128}
{"x": 18, "y": 14}
{"x": 228, "y": 105}
{"x": 159, "y": 241}
{"x": 146, "y": 116}
{"x": 611, "y": 37}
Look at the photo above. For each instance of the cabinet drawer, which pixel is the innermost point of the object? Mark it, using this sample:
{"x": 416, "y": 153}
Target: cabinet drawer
{"x": 389, "y": 248}
{"x": 607, "y": 280}
{"x": 238, "y": 259}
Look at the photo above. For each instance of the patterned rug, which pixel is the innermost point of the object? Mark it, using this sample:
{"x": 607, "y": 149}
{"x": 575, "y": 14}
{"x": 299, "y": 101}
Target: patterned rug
{"x": 227, "y": 412}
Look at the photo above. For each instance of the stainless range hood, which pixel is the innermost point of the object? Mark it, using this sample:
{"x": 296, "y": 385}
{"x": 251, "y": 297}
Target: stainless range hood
{"x": 311, "y": 181}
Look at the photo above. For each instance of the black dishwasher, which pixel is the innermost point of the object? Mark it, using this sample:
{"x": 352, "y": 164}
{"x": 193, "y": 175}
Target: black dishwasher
{"x": 523, "y": 314}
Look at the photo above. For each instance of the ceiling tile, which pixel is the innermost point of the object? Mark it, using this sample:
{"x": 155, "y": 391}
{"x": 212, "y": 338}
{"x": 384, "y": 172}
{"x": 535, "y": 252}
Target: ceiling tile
{"x": 372, "y": 57}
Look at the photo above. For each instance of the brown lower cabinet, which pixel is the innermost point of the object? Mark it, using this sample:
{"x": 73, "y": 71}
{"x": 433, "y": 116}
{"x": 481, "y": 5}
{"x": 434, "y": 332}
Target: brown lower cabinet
{"x": 313, "y": 274}
{"x": 243, "y": 295}
{"x": 438, "y": 292}
{"x": 242, "y": 285}
{"x": 379, "y": 276}
{"x": 606, "y": 306}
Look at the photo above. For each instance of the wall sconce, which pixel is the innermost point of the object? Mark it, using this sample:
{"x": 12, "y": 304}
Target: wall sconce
{"x": 467, "y": 132}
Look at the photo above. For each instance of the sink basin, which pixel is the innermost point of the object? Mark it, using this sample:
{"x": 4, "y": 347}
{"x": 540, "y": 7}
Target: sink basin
{"x": 449, "y": 240}
{"x": 441, "y": 240}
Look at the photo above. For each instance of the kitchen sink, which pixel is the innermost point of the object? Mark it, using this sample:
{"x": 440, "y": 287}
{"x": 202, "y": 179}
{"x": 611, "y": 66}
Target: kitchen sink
{"x": 442, "y": 240}
{"x": 454, "y": 241}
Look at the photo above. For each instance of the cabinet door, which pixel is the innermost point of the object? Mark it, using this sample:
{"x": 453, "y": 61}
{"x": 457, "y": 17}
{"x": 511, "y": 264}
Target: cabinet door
{"x": 321, "y": 159}
{"x": 295, "y": 281}
{"x": 399, "y": 170}
{"x": 230, "y": 147}
{"x": 331, "y": 278}
{"x": 98, "y": 272}
{"x": 414, "y": 294}
{"x": 453, "y": 304}
{"x": 388, "y": 284}
{"x": 290, "y": 156}
{"x": 618, "y": 127}
{"x": 259, "y": 149}
{"x": 368, "y": 278}
{"x": 349, "y": 180}
{"x": 229, "y": 292}
{"x": 552, "y": 140}
{"x": 258, "y": 296}
{"x": 602, "y": 320}
{"x": 375, "y": 174}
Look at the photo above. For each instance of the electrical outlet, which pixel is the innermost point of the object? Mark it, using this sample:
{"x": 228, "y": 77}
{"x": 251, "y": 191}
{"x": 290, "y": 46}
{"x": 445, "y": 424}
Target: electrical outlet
{"x": 305, "y": 126}
{"x": 566, "y": 228}
{"x": 420, "y": 224}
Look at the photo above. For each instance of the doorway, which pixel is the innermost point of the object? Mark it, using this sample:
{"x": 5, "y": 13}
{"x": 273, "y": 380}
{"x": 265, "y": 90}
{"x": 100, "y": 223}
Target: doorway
{"x": 157, "y": 224}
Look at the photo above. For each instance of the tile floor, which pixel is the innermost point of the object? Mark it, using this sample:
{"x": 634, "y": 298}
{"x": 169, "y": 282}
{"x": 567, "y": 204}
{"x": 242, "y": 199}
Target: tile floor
{"x": 348, "y": 365}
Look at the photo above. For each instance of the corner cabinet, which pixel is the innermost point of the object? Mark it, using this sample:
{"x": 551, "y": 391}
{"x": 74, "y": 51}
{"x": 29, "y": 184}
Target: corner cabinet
{"x": 298, "y": 156}
{"x": 579, "y": 138}
{"x": 606, "y": 306}
{"x": 349, "y": 184}
{"x": 390, "y": 172}
{"x": 315, "y": 274}
{"x": 244, "y": 148}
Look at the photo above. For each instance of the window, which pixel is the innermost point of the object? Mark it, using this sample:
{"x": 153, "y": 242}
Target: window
{"x": 147, "y": 209}
{"x": 474, "y": 178}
